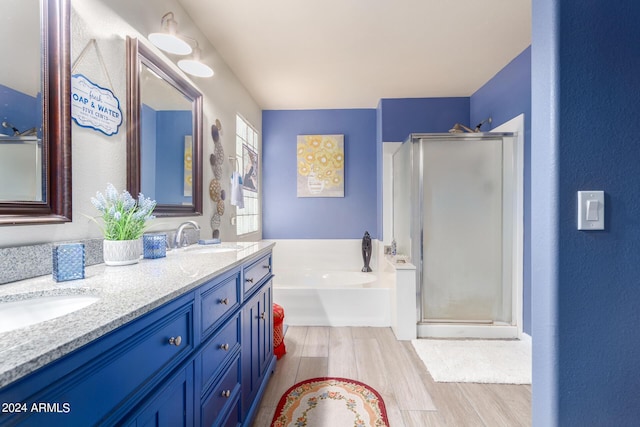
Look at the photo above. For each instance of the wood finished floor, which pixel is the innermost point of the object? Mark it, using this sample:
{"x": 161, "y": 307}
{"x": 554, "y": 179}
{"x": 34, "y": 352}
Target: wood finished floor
{"x": 411, "y": 396}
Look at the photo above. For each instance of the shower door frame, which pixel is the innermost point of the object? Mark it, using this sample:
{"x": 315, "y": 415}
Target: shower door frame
{"x": 469, "y": 328}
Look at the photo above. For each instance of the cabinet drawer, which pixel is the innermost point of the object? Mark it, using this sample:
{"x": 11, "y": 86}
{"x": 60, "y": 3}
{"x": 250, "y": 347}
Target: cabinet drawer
{"x": 219, "y": 301}
{"x": 254, "y": 273}
{"x": 132, "y": 363}
{"x": 233, "y": 419}
{"x": 222, "y": 396}
{"x": 220, "y": 348}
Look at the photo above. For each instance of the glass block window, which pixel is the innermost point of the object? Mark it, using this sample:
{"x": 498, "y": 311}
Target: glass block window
{"x": 248, "y": 155}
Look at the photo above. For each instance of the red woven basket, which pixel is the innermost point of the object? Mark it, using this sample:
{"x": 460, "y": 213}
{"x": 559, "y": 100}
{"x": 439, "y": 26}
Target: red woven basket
{"x": 278, "y": 333}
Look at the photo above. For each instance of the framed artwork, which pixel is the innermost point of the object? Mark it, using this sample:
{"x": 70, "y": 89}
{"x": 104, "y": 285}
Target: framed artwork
{"x": 188, "y": 165}
{"x": 249, "y": 168}
{"x": 320, "y": 163}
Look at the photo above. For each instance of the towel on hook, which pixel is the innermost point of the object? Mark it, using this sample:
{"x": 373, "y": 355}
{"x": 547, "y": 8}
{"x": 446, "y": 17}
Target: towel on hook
{"x": 237, "y": 197}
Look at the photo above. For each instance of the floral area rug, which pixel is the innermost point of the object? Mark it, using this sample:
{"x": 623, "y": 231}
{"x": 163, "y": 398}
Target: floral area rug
{"x": 330, "y": 402}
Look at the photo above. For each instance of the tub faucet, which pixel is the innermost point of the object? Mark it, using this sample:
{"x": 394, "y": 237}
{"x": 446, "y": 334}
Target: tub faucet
{"x": 178, "y": 238}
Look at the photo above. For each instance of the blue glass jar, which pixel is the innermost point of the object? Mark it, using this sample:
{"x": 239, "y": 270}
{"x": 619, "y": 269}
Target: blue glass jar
{"x": 154, "y": 245}
{"x": 68, "y": 262}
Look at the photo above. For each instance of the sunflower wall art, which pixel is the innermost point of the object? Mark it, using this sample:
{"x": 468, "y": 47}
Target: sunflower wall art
{"x": 320, "y": 165}
{"x": 188, "y": 160}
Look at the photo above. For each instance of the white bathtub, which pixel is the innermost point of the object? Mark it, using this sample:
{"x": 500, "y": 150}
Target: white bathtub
{"x": 308, "y": 278}
{"x": 312, "y": 297}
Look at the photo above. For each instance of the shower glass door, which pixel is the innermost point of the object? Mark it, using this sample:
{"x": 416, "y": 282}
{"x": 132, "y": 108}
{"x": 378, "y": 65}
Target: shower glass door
{"x": 462, "y": 231}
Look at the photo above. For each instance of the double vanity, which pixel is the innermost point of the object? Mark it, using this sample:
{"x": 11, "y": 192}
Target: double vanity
{"x": 181, "y": 340}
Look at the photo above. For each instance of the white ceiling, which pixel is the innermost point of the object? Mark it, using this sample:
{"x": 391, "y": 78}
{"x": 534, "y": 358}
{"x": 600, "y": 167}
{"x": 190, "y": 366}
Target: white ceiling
{"x": 306, "y": 54}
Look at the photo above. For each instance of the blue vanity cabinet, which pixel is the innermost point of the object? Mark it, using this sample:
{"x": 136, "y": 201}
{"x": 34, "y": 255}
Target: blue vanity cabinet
{"x": 202, "y": 359}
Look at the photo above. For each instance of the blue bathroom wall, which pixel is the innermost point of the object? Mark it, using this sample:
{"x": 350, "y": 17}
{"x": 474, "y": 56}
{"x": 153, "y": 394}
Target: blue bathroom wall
{"x": 586, "y": 293}
{"x": 171, "y": 128}
{"x": 505, "y": 96}
{"x": 148, "y": 151}
{"x": 402, "y": 116}
{"x": 285, "y": 216}
{"x": 20, "y": 110}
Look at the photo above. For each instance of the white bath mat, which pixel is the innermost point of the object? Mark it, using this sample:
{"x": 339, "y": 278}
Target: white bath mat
{"x": 476, "y": 361}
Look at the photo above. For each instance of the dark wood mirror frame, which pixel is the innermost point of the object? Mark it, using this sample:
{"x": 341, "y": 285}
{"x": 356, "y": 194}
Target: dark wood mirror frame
{"x": 56, "y": 126}
{"x": 138, "y": 54}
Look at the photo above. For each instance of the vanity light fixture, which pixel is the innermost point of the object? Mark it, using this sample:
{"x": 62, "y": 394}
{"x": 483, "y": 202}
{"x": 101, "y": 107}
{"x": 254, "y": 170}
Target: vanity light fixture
{"x": 193, "y": 65}
{"x": 168, "y": 40}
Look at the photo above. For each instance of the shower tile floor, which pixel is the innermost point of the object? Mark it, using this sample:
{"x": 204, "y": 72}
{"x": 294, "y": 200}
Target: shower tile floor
{"x": 411, "y": 396}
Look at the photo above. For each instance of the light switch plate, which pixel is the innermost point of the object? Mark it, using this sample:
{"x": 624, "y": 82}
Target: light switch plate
{"x": 584, "y": 199}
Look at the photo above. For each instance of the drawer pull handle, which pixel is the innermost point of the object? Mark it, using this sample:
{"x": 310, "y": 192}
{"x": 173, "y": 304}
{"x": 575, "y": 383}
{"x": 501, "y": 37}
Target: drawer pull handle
{"x": 226, "y": 393}
{"x": 175, "y": 340}
{"x": 224, "y": 301}
{"x": 262, "y": 315}
{"x": 250, "y": 280}
{"x": 225, "y": 347}
{"x": 268, "y": 267}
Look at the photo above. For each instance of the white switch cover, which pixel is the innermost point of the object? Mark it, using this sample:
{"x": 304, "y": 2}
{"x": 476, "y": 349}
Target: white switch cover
{"x": 590, "y": 210}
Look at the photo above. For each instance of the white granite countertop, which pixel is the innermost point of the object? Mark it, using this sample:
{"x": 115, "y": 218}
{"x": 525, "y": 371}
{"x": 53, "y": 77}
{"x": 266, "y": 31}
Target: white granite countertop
{"x": 125, "y": 293}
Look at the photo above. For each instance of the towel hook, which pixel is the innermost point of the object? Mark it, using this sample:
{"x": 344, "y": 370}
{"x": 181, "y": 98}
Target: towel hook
{"x": 237, "y": 165}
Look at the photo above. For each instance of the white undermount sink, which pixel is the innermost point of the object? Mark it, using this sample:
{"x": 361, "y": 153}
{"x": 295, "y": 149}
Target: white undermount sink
{"x": 22, "y": 313}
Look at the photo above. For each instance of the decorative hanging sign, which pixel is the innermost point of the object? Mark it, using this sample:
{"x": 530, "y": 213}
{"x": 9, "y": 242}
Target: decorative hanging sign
{"x": 94, "y": 107}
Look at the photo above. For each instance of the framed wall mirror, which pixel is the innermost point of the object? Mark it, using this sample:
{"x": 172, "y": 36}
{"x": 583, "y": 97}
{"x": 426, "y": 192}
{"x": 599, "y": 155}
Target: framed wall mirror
{"x": 35, "y": 113}
{"x": 164, "y": 134}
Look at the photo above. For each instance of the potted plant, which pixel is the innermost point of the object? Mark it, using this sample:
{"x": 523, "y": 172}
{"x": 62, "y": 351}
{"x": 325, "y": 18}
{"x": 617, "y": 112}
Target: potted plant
{"x": 124, "y": 220}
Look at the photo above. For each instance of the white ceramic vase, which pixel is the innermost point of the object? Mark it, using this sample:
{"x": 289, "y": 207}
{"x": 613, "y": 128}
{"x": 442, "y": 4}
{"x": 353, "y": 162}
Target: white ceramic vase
{"x": 122, "y": 252}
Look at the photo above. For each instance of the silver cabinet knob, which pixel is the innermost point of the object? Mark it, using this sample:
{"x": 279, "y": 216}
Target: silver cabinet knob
{"x": 224, "y": 301}
{"x": 175, "y": 340}
{"x": 225, "y": 347}
{"x": 262, "y": 315}
{"x": 250, "y": 280}
{"x": 226, "y": 393}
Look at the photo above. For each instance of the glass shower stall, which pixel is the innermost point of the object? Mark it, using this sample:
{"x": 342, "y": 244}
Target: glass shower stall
{"x": 455, "y": 214}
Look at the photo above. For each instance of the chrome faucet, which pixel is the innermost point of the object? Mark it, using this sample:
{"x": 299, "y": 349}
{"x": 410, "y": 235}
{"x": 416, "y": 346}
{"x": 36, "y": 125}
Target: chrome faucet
{"x": 178, "y": 238}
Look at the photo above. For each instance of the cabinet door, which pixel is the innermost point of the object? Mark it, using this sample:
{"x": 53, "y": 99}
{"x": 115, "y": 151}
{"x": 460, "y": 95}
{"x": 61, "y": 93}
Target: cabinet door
{"x": 250, "y": 346}
{"x": 257, "y": 343}
{"x": 265, "y": 330}
{"x": 172, "y": 405}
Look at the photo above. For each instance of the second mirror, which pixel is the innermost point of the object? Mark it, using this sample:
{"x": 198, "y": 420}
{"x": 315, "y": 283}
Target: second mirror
{"x": 164, "y": 134}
